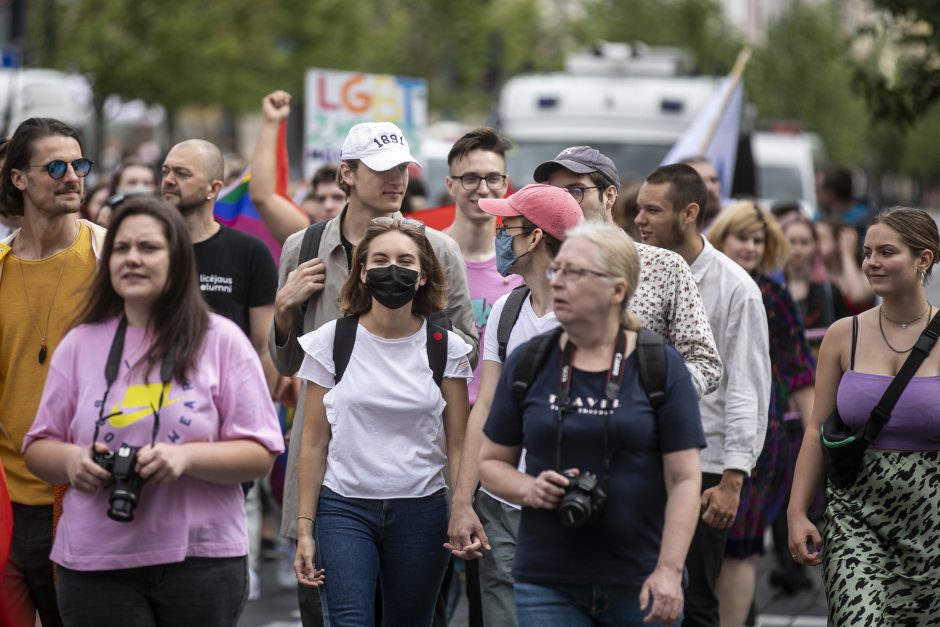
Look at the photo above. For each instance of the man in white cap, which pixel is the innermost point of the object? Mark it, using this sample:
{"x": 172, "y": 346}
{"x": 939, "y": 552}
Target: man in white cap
{"x": 373, "y": 172}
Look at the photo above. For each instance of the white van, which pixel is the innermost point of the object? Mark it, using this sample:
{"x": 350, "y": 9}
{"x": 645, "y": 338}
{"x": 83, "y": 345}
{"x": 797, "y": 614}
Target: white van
{"x": 27, "y": 93}
{"x": 628, "y": 101}
{"x": 786, "y": 167}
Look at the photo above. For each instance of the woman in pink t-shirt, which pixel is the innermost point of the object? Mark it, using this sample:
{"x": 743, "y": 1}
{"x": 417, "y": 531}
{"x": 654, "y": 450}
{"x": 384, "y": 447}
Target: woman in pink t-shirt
{"x": 154, "y": 412}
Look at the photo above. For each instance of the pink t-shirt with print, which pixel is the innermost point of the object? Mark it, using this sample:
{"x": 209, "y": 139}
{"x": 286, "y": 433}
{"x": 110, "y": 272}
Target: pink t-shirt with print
{"x": 225, "y": 399}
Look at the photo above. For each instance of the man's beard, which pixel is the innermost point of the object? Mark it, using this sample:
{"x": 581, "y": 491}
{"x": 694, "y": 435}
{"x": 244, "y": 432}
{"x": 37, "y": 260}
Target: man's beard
{"x": 712, "y": 209}
{"x": 189, "y": 206}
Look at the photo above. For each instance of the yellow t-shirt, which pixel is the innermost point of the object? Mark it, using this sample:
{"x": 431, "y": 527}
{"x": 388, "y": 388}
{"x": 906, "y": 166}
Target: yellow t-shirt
{"x": 21, "y": 375}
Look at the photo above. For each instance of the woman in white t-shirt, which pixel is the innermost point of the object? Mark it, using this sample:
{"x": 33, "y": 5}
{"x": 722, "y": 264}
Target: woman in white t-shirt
{"x": 377, "y": 437}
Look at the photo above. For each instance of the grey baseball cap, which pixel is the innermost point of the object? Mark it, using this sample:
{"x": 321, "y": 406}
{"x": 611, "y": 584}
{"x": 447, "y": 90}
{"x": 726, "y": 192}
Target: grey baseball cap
{"x": 580, "y": 160}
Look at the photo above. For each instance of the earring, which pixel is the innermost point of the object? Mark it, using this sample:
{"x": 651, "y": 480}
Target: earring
{"x": 923, "y": 276}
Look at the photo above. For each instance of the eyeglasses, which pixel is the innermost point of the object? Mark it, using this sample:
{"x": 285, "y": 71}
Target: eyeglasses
{"x": 502, "y": 229}
{"x": 471, "y": 181}
{"x": 572, "y": 272}
{"x": 58, "y": 168}
{"x": 577, "y": 191}
{"x": 398, "y": 223}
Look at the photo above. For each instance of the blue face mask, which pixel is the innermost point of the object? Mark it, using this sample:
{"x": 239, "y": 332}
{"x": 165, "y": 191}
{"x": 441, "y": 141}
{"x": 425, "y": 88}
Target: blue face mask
{"x": 506, "y": 257}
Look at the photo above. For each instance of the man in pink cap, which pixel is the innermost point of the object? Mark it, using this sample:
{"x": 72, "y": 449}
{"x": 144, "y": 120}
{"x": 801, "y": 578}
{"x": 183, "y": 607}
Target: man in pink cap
{"x": 535, "y": 221}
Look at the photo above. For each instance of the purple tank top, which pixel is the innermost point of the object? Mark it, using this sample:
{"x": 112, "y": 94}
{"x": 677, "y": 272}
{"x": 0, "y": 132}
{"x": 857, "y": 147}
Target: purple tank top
{"x": 915, "y": 420}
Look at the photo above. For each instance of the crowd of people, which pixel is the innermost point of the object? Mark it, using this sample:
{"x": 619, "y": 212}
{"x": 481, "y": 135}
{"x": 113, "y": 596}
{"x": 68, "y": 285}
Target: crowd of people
{"x": 599, "y": 429}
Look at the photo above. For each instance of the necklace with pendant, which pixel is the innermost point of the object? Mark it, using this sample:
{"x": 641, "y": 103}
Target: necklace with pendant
{"x": 43, "y": 351}
{"x": 904, "y": 325}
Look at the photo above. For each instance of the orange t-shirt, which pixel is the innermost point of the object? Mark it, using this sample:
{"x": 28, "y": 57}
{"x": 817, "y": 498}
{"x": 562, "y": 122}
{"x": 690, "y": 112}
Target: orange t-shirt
{"x": 21, "y": 375}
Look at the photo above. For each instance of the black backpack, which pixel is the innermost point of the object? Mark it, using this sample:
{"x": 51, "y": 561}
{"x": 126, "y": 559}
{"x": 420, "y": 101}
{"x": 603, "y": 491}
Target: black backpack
{"x": 345, "y": 338}
{"x": 651, "y": 355}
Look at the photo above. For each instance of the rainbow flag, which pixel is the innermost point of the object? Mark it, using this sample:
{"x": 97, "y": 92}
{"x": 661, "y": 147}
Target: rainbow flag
{"x": 235, "y": 209}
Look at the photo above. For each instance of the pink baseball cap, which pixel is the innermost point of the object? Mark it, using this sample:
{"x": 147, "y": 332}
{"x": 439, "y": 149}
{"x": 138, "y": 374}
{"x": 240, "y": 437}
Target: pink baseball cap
{"x": 552, "y": 209}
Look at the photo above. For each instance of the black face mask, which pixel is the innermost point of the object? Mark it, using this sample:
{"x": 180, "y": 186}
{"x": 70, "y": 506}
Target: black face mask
{"x": 393, "y": 286}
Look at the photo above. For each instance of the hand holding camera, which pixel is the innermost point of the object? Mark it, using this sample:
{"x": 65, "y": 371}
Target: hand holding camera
{"x": 83, "y": 473}
{"x": 546, "y": 490}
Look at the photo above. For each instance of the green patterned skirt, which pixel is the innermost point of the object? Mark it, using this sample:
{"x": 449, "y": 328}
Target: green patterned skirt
{"x": 881, "y": 555}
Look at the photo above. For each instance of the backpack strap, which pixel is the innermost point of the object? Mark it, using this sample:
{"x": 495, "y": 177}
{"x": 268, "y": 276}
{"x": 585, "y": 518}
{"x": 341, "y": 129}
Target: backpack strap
{"x": 437, "y": 350}
{"x": 508, "y": 317}
{"x": 536, "y": 352}
{"x": 651, "y": 357}
{"x": 344, "y": 339}
{"x": 309, "y": 248}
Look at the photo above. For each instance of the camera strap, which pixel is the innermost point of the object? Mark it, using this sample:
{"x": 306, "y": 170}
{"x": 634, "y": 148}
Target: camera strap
{"x": 110, "y": 375}
{"x": 611, "y": 392}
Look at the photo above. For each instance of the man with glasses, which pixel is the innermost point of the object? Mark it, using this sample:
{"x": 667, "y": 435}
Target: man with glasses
{"x": 45, "y": 267}
{"x": 667, "y": 299}
{"x": 477, "y": 164}
{"x": 373, "y": 172}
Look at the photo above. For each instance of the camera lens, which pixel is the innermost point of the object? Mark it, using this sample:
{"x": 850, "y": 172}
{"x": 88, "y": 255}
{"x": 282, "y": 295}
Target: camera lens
{"x": 575, "y": 510}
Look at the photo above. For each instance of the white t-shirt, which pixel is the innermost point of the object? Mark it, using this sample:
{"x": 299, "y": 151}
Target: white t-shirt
{"x": 527, "y": 326}
{"x": 388, "y": 437}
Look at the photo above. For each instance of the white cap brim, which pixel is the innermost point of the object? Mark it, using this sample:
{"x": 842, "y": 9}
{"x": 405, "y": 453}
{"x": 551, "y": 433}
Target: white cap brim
{"x": 388, "y": 159}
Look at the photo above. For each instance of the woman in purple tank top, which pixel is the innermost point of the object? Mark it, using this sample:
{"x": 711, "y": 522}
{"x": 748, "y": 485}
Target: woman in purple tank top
{"x": 879, "y": 548}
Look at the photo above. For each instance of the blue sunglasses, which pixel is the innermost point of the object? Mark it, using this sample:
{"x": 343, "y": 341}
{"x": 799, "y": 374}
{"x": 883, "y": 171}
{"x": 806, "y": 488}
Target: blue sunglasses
{"x": 58, "y": 168}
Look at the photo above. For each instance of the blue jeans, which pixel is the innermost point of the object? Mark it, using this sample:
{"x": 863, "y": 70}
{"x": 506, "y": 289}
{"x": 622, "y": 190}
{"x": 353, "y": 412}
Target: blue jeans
{"x": 197, "y": 592}
{"x": 397, "y": 542}
{"x": 577, "y": 605}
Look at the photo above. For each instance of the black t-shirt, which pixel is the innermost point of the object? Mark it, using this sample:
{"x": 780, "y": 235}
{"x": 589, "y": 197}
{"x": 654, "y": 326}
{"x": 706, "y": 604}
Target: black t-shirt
{"x": 236, "y": 272}
{"x": 623, "y": 546}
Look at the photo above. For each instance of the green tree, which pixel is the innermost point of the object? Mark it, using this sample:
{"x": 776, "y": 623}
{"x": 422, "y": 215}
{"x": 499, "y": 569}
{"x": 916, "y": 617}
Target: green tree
{"x": 803, "y": 72}
{"x": 900, "y": 79}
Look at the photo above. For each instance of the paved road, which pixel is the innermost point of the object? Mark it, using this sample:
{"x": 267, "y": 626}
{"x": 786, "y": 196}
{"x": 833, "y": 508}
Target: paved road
{"x": 278, "y": 607}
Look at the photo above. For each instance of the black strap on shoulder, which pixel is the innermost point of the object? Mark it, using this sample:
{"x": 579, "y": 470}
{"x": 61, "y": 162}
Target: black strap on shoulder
{"x": 437, "y": 350}
{"x": 508, "y": 317}
{"x": 651, "y": 357}
{"x": 882, "y": 411}
{"x": 309, "y": 248}
{"x": 536, "y": 351}
{"x": 854, "y": 342}
{"x": 343, "y": 341}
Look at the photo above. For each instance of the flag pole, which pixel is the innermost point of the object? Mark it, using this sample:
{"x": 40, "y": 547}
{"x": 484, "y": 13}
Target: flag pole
{"x": 737, "y": 73}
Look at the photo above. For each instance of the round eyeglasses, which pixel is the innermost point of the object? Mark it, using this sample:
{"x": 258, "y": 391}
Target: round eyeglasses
{"x": 57, "y": 168}
{"x": 577, "y": 191}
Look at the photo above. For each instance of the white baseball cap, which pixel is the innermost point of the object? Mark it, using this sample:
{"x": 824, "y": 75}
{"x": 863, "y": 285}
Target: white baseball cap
{"x": 380, "y": 145}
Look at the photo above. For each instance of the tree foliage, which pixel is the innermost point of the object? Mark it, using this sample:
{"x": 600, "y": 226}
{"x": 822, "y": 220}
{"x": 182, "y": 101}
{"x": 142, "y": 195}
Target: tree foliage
{"x": 803, "y": 73}
{"x": 900, "y": 79}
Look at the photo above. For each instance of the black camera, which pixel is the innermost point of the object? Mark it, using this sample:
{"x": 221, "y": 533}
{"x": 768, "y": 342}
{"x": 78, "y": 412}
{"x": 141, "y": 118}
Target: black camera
{"x": 583, "y": 501}
{"x": 126, "y": 483}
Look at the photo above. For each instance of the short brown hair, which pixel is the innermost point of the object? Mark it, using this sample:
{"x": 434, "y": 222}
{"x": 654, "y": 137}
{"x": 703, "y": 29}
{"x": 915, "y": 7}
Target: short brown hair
{"x": 355, "y": 299}
{"x": 685, "y": 187}
{"x": 482, "y": 138}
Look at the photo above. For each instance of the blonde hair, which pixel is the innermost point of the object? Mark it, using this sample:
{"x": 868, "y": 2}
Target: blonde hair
{"x": 745, "y": 216}
{"x": 617, "y": 256}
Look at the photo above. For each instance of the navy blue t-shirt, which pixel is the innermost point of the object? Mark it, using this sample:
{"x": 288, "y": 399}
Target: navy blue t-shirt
{"x": 623, "y": 546}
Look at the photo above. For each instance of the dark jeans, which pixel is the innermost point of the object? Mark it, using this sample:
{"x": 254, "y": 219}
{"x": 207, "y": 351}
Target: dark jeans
{"x": 579, "y": 605}
{"x": 197, "y": 592}
{"x": 27, "y": 584}
{"x": 398, "y": 542}
{"x": 703, "y": 564}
